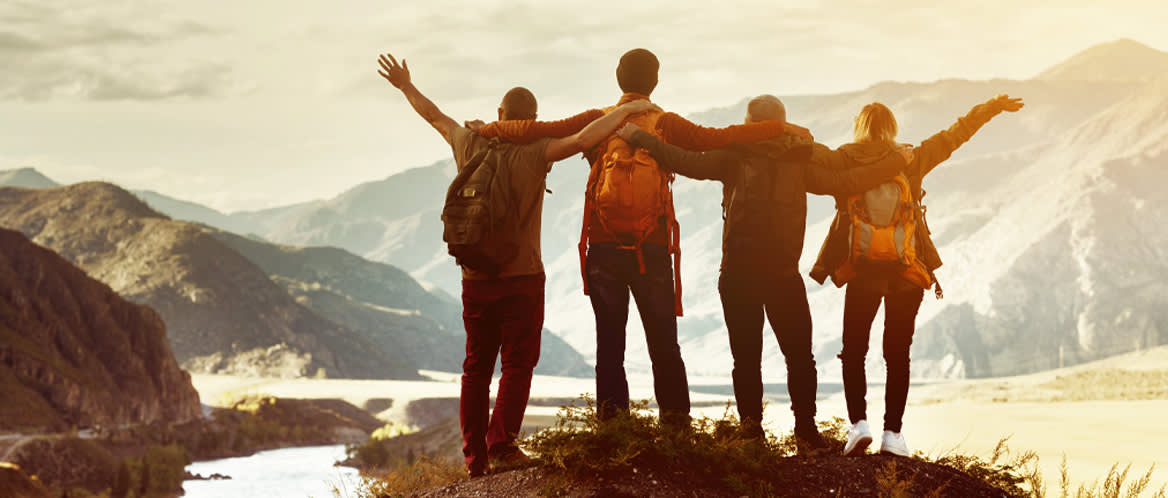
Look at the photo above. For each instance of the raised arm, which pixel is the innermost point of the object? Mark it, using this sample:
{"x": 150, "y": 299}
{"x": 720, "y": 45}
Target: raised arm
{"x": 398, "y": 75}
{"x": 697, "y": 165}
{"x": 939, "y": 147}
{"x": 529, "y": 130}
{"x": 679, "y": 131}
{"x": 597, "y": 130}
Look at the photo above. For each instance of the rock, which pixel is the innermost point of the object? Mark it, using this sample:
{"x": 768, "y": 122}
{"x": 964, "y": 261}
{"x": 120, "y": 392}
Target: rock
{"x": 16, "y": 484}
{"x": 73, "y": 353}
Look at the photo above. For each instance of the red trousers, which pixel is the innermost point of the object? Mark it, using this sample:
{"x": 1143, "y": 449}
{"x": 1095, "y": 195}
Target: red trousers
{"x": 502, "y": 316}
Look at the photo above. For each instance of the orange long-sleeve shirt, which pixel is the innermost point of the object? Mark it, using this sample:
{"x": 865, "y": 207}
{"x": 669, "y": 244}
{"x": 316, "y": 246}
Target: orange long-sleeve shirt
{"x": 671, "y": 127}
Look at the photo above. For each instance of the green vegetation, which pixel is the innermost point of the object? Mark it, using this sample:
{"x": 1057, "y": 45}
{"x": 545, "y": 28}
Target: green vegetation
{"x": 374, "y": 453}
{"x": 158, "y": 473}
{"x": 710, "y": 450}
{"x": 580, "y": 448}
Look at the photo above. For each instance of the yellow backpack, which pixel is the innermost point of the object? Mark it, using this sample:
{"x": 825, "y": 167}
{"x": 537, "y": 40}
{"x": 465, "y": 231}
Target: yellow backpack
{"x": 629, "y": 194}
{"x": 884, "y": 222}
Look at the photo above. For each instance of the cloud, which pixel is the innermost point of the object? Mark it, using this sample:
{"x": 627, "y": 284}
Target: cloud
{"x": 84, "y": 55}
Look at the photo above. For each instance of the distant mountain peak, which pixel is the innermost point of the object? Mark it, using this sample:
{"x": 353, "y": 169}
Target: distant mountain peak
{"x": 112, "y": 196}
{"x": 25, "y": 178}
{"x": 1120, "y": 60}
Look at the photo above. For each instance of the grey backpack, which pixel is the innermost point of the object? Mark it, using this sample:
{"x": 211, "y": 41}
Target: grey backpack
{"x": 480, "y": 226}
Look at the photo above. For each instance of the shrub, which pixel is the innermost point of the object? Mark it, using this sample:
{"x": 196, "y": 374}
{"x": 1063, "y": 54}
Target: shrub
{"x": 403, "y": 478}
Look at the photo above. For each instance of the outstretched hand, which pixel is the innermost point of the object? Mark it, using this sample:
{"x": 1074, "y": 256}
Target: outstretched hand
{"x": 626, "y": 132}
{"x": 396, "y": 74}
{"x": 1005, "y": 103}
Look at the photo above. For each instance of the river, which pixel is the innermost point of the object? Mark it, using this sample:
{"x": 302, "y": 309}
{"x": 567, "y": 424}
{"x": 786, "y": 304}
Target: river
{"x": 286, "y": 473}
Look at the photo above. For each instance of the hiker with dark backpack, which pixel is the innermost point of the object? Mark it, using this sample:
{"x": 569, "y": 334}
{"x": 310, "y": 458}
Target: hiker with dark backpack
{"x": 630, "y": 240}
{"x": 879, "y": 246}
{"x": 491, "y": 224}
{"x": 764, "y": 208}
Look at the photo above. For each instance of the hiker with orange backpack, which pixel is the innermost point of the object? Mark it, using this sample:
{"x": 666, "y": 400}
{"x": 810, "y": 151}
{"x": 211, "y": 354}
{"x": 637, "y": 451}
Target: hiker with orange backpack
{"x": 492, "y": 221}
{"x": 764, "y": 208}
{"x": 630, "y": 234}
{"x": 879, "y": 246}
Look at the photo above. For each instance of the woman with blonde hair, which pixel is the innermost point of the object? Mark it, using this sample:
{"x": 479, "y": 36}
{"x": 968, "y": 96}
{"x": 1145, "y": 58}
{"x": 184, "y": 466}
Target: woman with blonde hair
{"x": 899, "y": 283}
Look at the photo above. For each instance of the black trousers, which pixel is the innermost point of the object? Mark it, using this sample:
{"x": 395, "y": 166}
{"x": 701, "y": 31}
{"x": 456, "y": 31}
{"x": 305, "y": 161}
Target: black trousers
{"x": 861, "y": 302}
{"x": 746, "y": 297}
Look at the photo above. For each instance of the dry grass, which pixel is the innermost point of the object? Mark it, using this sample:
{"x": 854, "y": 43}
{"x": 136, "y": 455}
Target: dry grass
{"x": 405, "y": 478}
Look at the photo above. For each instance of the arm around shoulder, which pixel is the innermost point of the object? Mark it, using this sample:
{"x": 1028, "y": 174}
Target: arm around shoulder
{"x": 709, "y": 165}
{"x": 595, "y": 131}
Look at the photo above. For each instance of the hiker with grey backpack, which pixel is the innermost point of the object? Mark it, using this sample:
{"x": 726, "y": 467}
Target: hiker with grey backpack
{"x": 880, "y": 248}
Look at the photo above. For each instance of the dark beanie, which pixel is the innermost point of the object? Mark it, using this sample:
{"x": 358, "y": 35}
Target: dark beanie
{"x": 637, "y": 71}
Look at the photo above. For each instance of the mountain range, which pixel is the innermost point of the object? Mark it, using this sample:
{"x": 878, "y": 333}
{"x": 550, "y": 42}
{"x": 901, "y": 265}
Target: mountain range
{"x": 242, "y": 306}
{"x": 73, "y": 353}
{"x": 1046, "y": 222}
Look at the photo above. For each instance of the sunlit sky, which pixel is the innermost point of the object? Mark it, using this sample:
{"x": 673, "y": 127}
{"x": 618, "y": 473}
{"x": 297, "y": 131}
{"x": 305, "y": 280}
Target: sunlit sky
{"x": 245, "y": 105}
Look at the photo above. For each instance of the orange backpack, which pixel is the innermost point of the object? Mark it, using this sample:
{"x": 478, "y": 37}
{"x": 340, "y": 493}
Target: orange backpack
{"x": 883, "y": 231}
{"x": 629, "y": 194}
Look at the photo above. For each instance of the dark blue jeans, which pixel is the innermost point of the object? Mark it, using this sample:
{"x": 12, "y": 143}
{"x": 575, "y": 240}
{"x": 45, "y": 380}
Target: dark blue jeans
{"x": 613, "y": 274}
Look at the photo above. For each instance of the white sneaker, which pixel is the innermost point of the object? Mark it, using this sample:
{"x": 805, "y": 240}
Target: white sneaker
{"x": 893, "y": 443}
{"x": 859, "y": 437}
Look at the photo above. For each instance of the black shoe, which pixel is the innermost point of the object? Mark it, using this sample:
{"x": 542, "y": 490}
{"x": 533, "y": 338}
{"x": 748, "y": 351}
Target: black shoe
{"x": 476, "y": 472}
{"x": 676, "y": 421}
{"x": 752, "y": 430}
{"x": 510, "y": 459}
{"x": 808, "y": 440}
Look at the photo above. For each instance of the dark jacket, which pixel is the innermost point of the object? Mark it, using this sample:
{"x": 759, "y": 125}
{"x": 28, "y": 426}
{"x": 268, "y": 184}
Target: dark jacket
{"x": 765, "y": 233}
{"x": 928, "y": 155}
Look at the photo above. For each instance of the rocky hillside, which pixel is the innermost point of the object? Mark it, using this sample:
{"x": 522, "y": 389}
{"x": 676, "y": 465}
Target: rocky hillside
{"x": 223, "y": 314}
{"x": 383, "y": 304}
{"x": 73, "y": 353}
{"x": 376, "y": 302}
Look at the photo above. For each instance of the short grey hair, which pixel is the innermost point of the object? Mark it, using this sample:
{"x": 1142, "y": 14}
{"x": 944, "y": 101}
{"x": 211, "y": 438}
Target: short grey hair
{"x": 766, "y": 107}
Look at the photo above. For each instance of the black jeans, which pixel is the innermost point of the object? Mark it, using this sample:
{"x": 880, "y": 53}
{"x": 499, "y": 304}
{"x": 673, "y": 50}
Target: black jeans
{"x": 783, "y": 298}
{"x": 612, "y": 274}
{"x": 900, "y": 313}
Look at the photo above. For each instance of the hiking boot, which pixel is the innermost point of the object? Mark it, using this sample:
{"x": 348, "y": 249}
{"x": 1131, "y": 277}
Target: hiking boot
{"x": 476, "y": 471}
{"x": 752, "y": 430}
{"x": 893, "y": 443}
{"x": 512, "y": 458}
{"x": 808, "y": 439}
{"x": 859, "y": 437}
{"x": 676, "y": 421}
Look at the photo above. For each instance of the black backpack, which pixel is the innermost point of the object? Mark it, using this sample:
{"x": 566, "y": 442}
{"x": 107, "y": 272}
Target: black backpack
{"x": 480, "y": 225}
{"x": 747, "y": 204}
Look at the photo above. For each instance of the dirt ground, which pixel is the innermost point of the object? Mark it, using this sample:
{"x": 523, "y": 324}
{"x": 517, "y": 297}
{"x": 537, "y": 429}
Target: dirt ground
{"x": 1096, "y": 415}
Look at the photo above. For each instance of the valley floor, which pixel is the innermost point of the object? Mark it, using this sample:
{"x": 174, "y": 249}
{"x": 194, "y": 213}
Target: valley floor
{"x": 1096, "y": 415}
